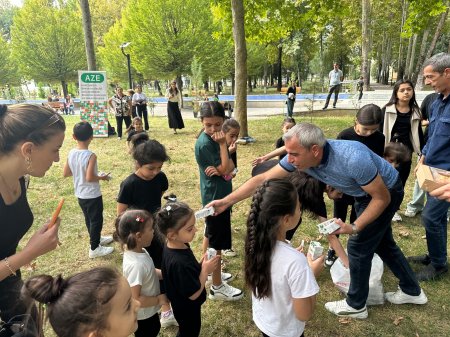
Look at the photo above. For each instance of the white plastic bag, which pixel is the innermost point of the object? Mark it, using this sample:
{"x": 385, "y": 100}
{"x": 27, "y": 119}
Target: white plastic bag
{"x": 341, "y": 279}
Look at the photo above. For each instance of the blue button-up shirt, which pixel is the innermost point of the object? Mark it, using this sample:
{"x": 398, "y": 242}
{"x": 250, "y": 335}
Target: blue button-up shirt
{"x": 437, "y": 149}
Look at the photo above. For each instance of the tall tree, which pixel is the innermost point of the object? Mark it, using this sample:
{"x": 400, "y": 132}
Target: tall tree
{"x": 240, "y": 52}
{"x": 8, "y": 69}
{"x": 88, "y": 35}
{"x": 46, "y": 42}
{"x": 365, "y": 42}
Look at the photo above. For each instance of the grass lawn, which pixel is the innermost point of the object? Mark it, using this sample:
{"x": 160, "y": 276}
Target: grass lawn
{"x": 220, "y": 318}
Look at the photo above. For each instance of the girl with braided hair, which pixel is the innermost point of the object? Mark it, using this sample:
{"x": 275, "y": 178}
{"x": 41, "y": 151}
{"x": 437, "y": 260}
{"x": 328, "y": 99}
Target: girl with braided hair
{"x": 281, "y": 278}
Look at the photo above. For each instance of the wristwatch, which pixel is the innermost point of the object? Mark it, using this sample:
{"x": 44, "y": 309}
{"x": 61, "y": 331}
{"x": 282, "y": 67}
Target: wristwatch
{"x": 354, "y": 229}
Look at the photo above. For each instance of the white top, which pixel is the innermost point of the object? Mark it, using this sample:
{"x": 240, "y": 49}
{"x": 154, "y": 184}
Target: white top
{"x": 291, "y": 278}
{"x": 335, "y": 77}
{"x": 78, "y": 162}
{"x": 139, "y": 98}
{"x": 138, "y": 269}
{"x": 176, "y": 98}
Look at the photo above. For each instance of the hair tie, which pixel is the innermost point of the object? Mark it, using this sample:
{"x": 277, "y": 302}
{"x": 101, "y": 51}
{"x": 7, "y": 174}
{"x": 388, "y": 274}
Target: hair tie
{"x": 168, "y": 209}
{"x": 139, "y": 219}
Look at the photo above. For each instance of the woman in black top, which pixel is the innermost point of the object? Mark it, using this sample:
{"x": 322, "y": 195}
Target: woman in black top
{"x": 30, "y": 139}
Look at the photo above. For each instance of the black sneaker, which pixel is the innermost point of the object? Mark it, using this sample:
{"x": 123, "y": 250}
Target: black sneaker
{"x": 331, "y": 258}
{"x": 419, "y": 259}
{"x": 431, "y": 273}
{"x": 324, "y": 108}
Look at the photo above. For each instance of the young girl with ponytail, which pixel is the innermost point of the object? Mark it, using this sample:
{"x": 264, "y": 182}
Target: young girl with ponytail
{"x": 281, "y": 278}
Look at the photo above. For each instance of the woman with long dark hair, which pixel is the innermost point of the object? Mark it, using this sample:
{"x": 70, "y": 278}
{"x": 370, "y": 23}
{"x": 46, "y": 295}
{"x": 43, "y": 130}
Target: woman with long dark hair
{"x": 173, "y": 96}
{"x": 30, "y": 139}
{"x": 402, "y": 123}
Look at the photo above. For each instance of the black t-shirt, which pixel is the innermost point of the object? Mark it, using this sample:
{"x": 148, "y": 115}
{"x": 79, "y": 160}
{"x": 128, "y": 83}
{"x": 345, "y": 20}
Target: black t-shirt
{"x": 233, "y": 157}
{"x": 131, "y": 133}
{"x": 181, "y": 271}
{"x": 138, "y": 193}
{"x": 280, "y": 143}
{"x": 375, "y": 141}
{"x": 402, "y": 129}
{"x": 15, "y": 220}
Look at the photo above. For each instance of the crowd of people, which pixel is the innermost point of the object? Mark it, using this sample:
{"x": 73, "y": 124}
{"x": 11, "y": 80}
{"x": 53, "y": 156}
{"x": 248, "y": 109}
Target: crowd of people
{"x": 162, "y": 282}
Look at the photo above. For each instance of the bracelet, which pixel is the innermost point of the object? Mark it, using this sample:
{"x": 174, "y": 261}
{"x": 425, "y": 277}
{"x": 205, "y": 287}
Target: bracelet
{"x": 354, "y": 229}
{"x": 9, "y": 266}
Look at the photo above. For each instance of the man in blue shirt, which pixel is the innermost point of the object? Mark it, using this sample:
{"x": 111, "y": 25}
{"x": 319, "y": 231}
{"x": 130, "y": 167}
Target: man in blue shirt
{"x": 436, "y": 153}
{"x": 355, "y": 170}
{"x": 335, "y": 76}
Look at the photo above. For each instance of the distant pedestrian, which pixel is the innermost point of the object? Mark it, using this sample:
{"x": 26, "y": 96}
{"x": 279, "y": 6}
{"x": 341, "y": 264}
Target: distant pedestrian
{"x": 140, "y": 104}
{"x": 360, "y": 87}
{"x": 290, "y": 101}
{"x": 336, "y": 77}
{"x": 173, "y": 107}
{"x": 121, "y": 104}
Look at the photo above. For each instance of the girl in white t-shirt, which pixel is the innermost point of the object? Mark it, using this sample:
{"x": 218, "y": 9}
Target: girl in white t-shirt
{"x": 134, "y": 230}
{"x": 281, "y": 278}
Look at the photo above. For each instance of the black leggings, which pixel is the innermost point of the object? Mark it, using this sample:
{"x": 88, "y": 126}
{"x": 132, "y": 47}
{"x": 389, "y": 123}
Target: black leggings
{"x": 119, "y": 119}
{"x": 189, "y": 321}
{"x": 141, "y": 111}
{"x": 148, "y": 327}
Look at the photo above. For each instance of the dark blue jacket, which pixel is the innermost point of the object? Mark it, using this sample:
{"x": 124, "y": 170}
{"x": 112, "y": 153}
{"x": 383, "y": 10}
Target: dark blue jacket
{"x": 437, "y": 149}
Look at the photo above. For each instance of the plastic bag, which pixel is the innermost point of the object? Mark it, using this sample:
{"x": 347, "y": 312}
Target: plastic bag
{"x": 341, "y": 279}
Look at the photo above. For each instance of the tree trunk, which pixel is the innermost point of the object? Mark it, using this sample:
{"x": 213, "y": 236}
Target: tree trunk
{"x": 265, "y": 78}
{"x": 421, "y": 58}
{"x": 279, "y": 66}
{"x": 88, "y": 36}
{"x": 64, "y": 88}
{"x": 408, "y": 56}
{"x": 365, "y": 43}
{"x": 413, "y": 56}
{"x": 400, "y": 62}
{"x": 240, "y": 64}
{"x": 180, "y": 87}
{"x": 437, "y": 32}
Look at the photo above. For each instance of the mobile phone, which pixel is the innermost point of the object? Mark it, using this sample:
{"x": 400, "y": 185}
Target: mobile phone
{"x": 56, "y": 213}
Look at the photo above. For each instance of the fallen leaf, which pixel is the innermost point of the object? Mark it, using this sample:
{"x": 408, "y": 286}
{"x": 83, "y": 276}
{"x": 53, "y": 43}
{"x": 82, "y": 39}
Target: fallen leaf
{"x": 345, "y": 320}
{"x": 397, "y": 320}
{"x": 30, "y": 266}
{"x": 424, "y": 237}
{"x": 404, "y": 234}
{"x": 319, "y": 237}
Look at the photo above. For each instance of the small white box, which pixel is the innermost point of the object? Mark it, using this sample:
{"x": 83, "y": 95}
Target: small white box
{"x": 328, "y": 227}
{"x": 315, "y": 250}
{"x": 210, "y": 253}
{"x": 203, "y": 213}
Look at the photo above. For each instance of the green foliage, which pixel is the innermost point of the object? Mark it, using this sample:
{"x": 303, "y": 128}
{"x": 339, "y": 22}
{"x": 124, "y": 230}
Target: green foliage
{"x": 8, "y": 68}
{"x": 7, "y": 11}
{"x": 196, "y": 73}
{"x": 166, "y": 36}
{"x": 421, "y": 12}
{"x": 47, "y": 41}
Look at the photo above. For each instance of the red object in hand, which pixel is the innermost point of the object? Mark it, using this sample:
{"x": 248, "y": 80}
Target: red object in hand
{"x": 56, "y": 213}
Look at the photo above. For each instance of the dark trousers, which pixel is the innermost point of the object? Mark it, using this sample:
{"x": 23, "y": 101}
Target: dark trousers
{"x": 377, "y": 237}
{"x": 290, "y": 107}
{"x": 403, "y": 171}
{"x": 360, "y": 95}
{"x": 119, "y": 120}
{"x": 434, "y": 218}
{"x": 264, "y": 335}
{"x": 341, "y": 208}
{"x": 93, "y": 216}
{"x": 141, "y": 110}
{"x": 189, "y": 321}
{"x": 335, "y": 89}
{"x": 148, "y": 327}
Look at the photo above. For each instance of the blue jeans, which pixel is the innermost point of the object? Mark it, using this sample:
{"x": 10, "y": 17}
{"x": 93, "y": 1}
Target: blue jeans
{"x": 290, "y": 107}
{"x": 377, "y": 237}
{"x": 418, "y": 199}
{"x": 434, "y": 217}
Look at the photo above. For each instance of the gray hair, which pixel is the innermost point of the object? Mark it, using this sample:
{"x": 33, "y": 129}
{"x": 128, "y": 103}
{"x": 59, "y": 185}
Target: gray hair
{"x": 307, "y": 134}
{"x": 438, "y": 62}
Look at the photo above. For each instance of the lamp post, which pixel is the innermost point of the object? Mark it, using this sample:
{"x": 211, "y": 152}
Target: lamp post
{"x": 122, "y": 47}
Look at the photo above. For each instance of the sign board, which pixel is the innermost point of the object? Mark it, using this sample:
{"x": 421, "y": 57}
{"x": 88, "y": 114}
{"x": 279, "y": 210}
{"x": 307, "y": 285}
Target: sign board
{"x": 94, "y": 100}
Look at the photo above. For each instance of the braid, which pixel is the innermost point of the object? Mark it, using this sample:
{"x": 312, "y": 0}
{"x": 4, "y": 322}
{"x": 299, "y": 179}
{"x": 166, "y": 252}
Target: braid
{"x": 271, "y": 201}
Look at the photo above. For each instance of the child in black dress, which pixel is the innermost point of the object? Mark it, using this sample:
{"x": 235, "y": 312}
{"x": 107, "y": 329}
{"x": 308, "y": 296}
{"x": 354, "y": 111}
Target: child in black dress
{"x": 184, "y": 277}
{"x": 144, "y": 189}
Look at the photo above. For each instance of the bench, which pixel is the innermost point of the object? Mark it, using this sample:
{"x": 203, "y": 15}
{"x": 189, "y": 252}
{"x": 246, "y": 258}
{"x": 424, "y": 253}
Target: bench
{"x": 55, "y": 105}
{"x": 285, "y": 89}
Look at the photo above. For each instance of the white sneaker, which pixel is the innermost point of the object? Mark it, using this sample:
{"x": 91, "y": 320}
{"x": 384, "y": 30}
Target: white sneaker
{"x": 342, "y": 309}
{"x": 167, "y": 319}
{"x": 396, "y": 217}
{"x": 399, "y": 297}
{"x": 106, "y": 240}
{"x": 226, "y": 277}
{"x": 410, "y": 214}
{"x": 100, "y": 251}
{"x": 229, "y": 252}
{"x": 225, "y": 292}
